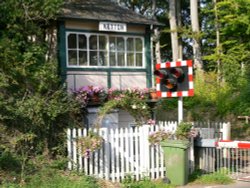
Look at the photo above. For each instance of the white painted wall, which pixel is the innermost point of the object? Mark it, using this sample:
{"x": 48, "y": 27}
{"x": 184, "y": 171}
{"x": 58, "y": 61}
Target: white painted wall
{"x": 122, "y": 80}
{"x": 119, "y": 80}
{"x": 78, "y": 79}
{"x": 115, "y": 119}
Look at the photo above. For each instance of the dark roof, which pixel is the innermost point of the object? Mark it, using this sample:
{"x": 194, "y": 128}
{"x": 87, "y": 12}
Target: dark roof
{"x": 102, "y": 10}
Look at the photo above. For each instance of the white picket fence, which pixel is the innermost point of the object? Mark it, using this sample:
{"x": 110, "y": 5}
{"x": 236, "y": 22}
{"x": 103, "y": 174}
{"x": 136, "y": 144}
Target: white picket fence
{"x": 125, "y": 151}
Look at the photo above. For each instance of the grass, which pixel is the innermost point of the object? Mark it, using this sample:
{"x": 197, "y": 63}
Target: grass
{"x": 209, "y": 179}
{"x": 145, "y": 183}
{"x": 54, "y": 178}
{"x": 48, "y": 178}
{"x": 42, "y": 173}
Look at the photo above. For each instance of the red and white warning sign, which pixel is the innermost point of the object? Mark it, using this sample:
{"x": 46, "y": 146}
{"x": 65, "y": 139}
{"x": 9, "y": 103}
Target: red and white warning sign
{"x": 174, "y": 79}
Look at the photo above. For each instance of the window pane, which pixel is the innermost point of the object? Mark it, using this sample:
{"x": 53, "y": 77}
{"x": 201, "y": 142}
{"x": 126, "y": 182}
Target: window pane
{"x": 82, "y": 41}
{"x": 138, "y": 45}
{"x": 102, "y": 42}
{"x": 93, "y": 42}
{"x": 112, "y": 59}
{"x": 102, "y": 59}
{"x": 72, "y": 41}
{"x": 112, "y": 45}
{"x": 72, "y": 57}
{"x": 93, "y": 58}
{"x": 130, "y": 59}
{"x": 83, "y": 58}
{"x": 121, "y": 59}
{"x": 120, "y": 44}
{"x": 130, "y": 44}
{"x": 139, "y": 60}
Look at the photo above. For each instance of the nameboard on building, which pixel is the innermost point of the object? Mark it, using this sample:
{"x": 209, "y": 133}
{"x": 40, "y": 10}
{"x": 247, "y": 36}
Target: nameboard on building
{"x": 112, "y": 26}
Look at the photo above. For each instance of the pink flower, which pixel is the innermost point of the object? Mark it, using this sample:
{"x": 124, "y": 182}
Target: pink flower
{"x": 151, "y": 122}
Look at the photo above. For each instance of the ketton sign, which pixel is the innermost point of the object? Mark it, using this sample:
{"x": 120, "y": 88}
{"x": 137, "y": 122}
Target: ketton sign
{"x": 112, "y": 26}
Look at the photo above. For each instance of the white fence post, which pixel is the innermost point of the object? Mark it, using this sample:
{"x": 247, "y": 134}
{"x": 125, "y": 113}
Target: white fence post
{"x": 144, "y": 150}
{"x": 226, "y": 135}
{"x": 191, "y": 155}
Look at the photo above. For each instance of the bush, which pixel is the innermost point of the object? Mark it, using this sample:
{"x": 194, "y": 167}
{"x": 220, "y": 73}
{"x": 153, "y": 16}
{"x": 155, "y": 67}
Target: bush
{"x": 8, "y": 162}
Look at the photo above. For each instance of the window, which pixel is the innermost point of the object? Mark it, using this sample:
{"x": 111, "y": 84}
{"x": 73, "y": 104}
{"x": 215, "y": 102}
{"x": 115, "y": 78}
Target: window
{"x": 98, "y": 50}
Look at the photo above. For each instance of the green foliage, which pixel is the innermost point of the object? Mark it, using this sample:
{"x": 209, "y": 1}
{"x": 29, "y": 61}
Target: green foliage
{"x": 157, "y": 137}
{"x": 43, "y": 173}
{"x": 129, "y": 182}
{"x": 214, "y": 178}
{"x": 34, "y": 108}
{"x": 8, "y": 162}
{"x": 241, "y": 131}
{"x": 210, "y": 94}
{"x": 131, "y": 101}
{"x": 60, "y": 163}
{"x": 233, "y": 51}
{"x": 183, "y": 131}
{"x": 52, "y": 178}
{"x": 87, "y": 144}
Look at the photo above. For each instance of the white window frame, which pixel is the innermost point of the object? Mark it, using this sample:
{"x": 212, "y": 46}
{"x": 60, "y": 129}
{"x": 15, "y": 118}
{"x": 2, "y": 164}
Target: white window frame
{"x": 125, "y": 37}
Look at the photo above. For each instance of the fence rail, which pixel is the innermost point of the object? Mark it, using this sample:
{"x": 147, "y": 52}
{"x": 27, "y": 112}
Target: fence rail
{"x": 126, "y": 151}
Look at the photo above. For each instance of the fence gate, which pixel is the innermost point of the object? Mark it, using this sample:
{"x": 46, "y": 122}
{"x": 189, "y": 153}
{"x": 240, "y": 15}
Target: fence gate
{"x": 215, "y": 152}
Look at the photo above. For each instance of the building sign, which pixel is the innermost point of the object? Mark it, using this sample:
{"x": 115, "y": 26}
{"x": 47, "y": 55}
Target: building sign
{"x": 112, "y": 26}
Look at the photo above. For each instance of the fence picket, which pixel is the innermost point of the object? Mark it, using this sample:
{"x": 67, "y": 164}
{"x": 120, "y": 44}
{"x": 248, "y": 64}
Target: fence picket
{"x": 117, "y": 154}
{"x": 80, "y": 152}
{"x": 131, "y": 152}
{"x": 157, "y": 156}
{"x": 107, "y": 153}
{"x": 74, "y": 149}
{"x": 69, "y": 149}
{"x": 85, "y": 161}
{"x": 127, "y": 151}
{"x": 122, "y": 152}
{"x": 152, "y": 155}
{"x": 112, "y": 155}
{"x": 137, "y": 162}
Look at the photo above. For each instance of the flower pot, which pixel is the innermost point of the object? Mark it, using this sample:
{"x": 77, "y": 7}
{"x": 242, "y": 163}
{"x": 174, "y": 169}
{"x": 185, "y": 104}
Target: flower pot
{"x": 153, "y": 95}
{"x": 95, "y": 99}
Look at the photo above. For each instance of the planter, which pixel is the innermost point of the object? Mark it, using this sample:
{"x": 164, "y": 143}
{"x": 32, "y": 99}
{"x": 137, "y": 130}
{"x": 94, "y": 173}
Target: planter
{"x": 95, "y": 99}
{"x": 153, "y": 95}
{"x": 176, "y": 160}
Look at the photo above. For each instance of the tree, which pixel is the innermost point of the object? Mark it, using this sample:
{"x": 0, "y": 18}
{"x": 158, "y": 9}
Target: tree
{"x": 173, "y": 29}
{"x": 34, "y": 108}
{"x": 196, "y": 34}
{"x": 226, "y": 30}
